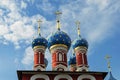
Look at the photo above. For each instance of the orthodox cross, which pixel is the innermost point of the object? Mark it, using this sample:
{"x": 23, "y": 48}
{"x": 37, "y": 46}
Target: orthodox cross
{"x": 107, "y": 57}
{"x": 39, "y": 21}
{"x": 58, "y": 13}
{"x": 78, "y": 27}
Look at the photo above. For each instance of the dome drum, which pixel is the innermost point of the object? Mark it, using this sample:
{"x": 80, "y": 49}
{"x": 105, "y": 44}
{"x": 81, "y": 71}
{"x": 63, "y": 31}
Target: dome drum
{"x": 59, "y": 46}
{"x": 36, "y": 48}
{"x": 80, "y": 48}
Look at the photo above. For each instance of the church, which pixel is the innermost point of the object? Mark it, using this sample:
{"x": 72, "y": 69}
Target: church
{"x": 59, "y": 43}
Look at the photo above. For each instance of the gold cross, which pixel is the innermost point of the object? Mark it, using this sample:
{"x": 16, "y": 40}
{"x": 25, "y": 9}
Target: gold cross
{"x": 78, "y": 26}
{"x": 107, "y": 57}
{"x": 58, "y": 13}
{"x": 39, "y": 21}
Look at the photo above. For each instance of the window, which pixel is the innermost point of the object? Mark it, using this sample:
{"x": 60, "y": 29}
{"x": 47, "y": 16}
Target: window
{"x": 60, "y": 56}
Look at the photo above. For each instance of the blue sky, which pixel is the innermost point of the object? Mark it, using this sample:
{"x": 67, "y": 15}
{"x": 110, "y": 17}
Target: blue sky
{"x": 18, "y": 25}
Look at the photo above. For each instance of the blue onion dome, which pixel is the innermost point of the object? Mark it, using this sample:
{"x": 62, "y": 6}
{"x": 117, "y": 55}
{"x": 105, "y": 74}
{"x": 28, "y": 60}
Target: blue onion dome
{"x": 39, "y": 41}
{"x": 59, "y": 37}
{"x": 46, "y": 62}
{"x": 72, "y": 60}
{"x": 80, "y": 42}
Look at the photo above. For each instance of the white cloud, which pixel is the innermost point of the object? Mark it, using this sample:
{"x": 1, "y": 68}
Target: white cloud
{"x": 3, "y": 30}
{"x": 23, "y": 5}
{"x": 28, "y": 56}
{"x": 95, "y": 20}
{"x": 101, "y": 4}
{"x": 46, "y": 6}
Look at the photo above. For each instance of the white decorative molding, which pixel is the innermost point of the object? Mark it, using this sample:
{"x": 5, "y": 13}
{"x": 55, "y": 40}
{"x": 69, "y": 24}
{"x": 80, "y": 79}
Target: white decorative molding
{"x": 39, "y": 68}
{"x": 81, "y": 68}
{"x": 40, "y": 49}
{"x": 63, "y": 76}
{"x": 84, "y": 76}
{"x": 34, "y": 77}
{"x": 61, "y": 66}
{"x": 60, "y": 48}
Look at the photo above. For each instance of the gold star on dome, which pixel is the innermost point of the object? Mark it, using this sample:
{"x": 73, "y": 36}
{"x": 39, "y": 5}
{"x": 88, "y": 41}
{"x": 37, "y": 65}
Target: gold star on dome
{"x": 60, "y": 36}
{"x": 68, "y": 41}
{"x": 56, "y": 39}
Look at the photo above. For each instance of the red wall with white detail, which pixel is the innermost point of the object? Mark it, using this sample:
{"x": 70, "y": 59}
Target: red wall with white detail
{"x": 52, "y": 77}
{"x": 37, "y": 56}
{"x": 59, "y": 57}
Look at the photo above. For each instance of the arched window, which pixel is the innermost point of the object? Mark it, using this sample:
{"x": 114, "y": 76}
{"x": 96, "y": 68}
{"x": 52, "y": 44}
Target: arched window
{"x": 86, "y": 77}
{"x": 39, "y": 77}
{"x": 60, "y": 57}
{"x": 63, "y": 77}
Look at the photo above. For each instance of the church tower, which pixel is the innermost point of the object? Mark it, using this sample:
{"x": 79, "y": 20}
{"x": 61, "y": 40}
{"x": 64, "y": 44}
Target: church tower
{"x": 39, "y": 46}
{"x": 80, "y": 47}
{"x": 59, "y": 44}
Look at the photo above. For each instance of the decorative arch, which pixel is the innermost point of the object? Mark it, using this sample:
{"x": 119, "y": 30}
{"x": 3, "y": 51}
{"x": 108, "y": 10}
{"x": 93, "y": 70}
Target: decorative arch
{"x": 81, "y": 77}
{"x": 34, "y": 77}
{"x": 61, "y": 66}
{"x": 65, "y": 76}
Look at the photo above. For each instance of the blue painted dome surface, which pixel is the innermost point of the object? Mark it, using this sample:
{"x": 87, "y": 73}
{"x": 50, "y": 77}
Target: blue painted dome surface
{"x": 72, "y": 60}
{"x": 80, "y": 42}
{"x": 46, "y": 62}
{"x": 59, "y": 37}
{"x": 39, "y": 41}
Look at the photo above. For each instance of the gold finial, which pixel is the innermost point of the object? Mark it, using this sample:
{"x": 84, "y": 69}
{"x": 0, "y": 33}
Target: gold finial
{"x": 58, "y": 19}
{"x": 39, "y": 21}
{"x": 107, "y": 57}
{"x": 78, "y": 27}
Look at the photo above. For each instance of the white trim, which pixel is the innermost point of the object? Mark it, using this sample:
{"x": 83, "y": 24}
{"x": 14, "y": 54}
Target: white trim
{"x": 59, "y": 48}
{"x": 39, "y": 76}
{"x": 63, "y": 76}
{"x": 86, "y": 76}
{"x": 39, "y": 53}
{"x": 39, "y": 68}
{"x": 61, "y": 66}
{"x": 80, "y": 68}
{"x": 83, "y": 58}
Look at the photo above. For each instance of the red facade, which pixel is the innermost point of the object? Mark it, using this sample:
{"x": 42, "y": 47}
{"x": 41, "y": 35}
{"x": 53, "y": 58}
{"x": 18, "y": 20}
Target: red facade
{"x": 58, "y": 75}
